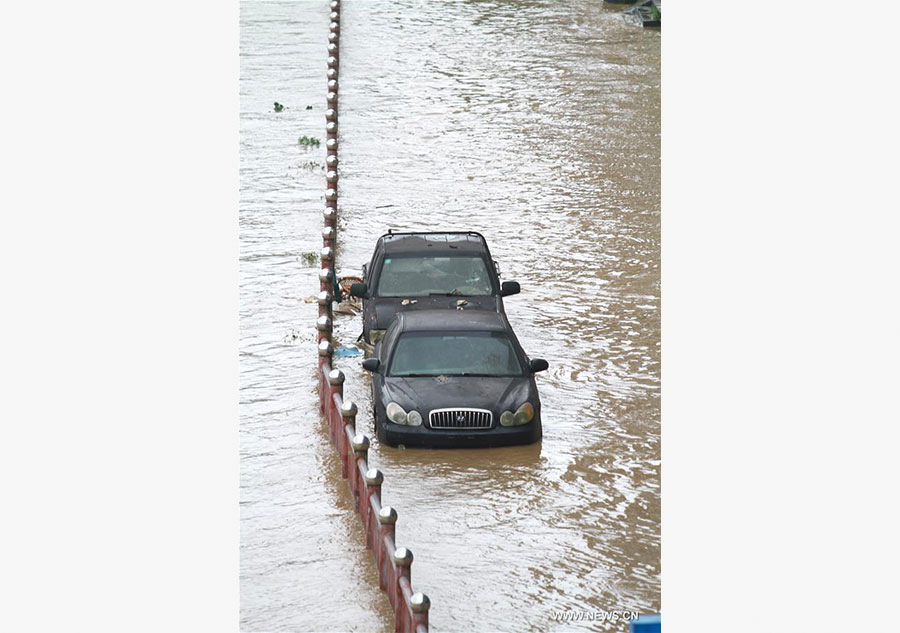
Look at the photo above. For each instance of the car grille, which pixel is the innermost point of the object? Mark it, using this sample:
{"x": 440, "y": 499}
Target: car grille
{"x": 460, "y": 419}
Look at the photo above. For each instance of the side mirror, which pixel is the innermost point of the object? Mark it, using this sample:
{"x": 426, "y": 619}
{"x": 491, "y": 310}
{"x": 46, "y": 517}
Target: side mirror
{"x": 358, "y": 290}
{"x": 537, "y": 364}
{"x": 372, "y": 364}
{"x": 509, "y": 288}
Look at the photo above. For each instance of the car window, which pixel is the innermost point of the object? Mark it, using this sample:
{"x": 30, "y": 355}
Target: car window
{"x": 420, "y": 276}
{"x": 455, "y": 354}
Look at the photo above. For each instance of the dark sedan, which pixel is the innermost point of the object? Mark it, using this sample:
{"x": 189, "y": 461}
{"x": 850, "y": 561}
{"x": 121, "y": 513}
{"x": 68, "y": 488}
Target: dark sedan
{"x": 425, "y": 271}
{"x": 447, "y": 378}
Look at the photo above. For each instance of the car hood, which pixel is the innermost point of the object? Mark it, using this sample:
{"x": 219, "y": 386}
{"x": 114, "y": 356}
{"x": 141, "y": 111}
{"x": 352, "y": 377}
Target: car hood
{"x": 387, "y": 307}
{"x": 428, "y": 393}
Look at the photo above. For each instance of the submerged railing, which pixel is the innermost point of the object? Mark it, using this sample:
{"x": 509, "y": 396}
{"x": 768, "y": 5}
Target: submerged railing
{"x": 379, "y": 521}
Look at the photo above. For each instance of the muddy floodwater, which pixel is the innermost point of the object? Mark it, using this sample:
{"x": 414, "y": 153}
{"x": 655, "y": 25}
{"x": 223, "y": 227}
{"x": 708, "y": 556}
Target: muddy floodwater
{"x": 535, "y": 123}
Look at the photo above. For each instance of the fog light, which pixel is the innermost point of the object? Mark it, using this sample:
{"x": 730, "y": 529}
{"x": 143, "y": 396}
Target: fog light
{"x": 414, "y": 418}
{"x": 396, "y": 414}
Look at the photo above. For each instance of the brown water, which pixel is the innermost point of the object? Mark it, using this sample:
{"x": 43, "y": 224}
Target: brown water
{"x": 537, "y": 124}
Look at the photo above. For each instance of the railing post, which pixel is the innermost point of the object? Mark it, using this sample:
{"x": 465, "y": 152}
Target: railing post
{"x": 326, "y": 278}
{"x": 348, "y": 413}
{"x": 420, "y": 605}
{"x": 324, "y": 300}
{"x": 327, "y": 256}
{"x": 326, "y": 351}
{"x": 387, "y": 519}
{"x": 324, "y": 327}
{"x": 330, "y": 216}
{"x": 331, "y": 196}
{"x": 328, "y": 236}
{"x": 373, "y": 478}
{"x": 360, "y": 446}
{"x": 336, "y": 380}
{"x": 403, "y": 559}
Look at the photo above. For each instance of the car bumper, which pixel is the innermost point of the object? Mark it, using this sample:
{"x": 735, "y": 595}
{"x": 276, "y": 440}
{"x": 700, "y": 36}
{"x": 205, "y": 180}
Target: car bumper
{"x": 396, "y": 434}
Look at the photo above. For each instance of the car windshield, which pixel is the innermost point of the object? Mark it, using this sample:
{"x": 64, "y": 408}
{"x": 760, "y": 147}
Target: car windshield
{"x": 455, "y": 354}
{"x": 420, "y": 276}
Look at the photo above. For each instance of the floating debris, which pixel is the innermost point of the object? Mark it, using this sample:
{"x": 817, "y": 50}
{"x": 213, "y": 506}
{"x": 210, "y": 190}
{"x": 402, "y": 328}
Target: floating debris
{"x": 309, "y": 141}
{"x": 344, "y": 285}
{"x": 278, "y": 107}
{"x": 347, "y": 308}
{"x": 347, "y": 350}
{"x": 309, "y": 107}
{"x": 407, "y": 302}
{"x": 309, "y": 259}
{"x": 461, "y": 302}
{"x": 310, "y": 300}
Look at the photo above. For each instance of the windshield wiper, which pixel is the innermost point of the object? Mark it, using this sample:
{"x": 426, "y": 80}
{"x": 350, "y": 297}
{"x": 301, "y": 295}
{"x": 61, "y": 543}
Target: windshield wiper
{"x": 452, "y": 293}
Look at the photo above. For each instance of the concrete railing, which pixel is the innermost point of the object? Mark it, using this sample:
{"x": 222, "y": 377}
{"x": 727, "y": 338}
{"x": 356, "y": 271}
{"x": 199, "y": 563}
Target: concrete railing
{"x": 379, "y": 521}
{"x": 394, "y": 563}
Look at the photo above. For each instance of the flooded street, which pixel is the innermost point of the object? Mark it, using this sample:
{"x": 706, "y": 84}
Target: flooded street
{"x": 536, "y": 124}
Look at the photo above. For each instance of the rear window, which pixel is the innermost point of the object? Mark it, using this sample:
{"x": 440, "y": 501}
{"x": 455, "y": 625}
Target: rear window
{"x": 420, "y": 276}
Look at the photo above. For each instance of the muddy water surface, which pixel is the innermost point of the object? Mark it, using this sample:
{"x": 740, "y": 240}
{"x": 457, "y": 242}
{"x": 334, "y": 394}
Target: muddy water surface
{"x": 537, "y": 124}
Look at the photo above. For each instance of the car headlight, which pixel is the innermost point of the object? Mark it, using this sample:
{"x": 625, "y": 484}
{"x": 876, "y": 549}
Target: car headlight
{"x": 376, "y": 335}
{"x": 397, "y": 415}
{"x": 523, "y": 415}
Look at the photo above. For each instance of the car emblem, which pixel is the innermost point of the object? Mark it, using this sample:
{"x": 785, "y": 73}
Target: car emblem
{"x": 460, "y": 418}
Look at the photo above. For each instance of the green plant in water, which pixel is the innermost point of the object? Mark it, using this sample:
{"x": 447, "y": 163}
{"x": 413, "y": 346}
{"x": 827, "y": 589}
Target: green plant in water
{"x": 311, "y": 165}
{"x": 278, "y": 107}
{"x": 309, "y": 141}
{"x": 310, "y": 259}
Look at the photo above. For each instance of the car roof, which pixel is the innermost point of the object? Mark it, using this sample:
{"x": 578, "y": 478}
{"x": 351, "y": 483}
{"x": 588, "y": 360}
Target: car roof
{"x": 444, "y": 243}
{"x": 451, "y": 320}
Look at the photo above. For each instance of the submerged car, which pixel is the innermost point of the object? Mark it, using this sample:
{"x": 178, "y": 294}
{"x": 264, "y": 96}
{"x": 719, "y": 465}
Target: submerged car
{"x": 422, "y": 271}
{"x": 446, "y": 378}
